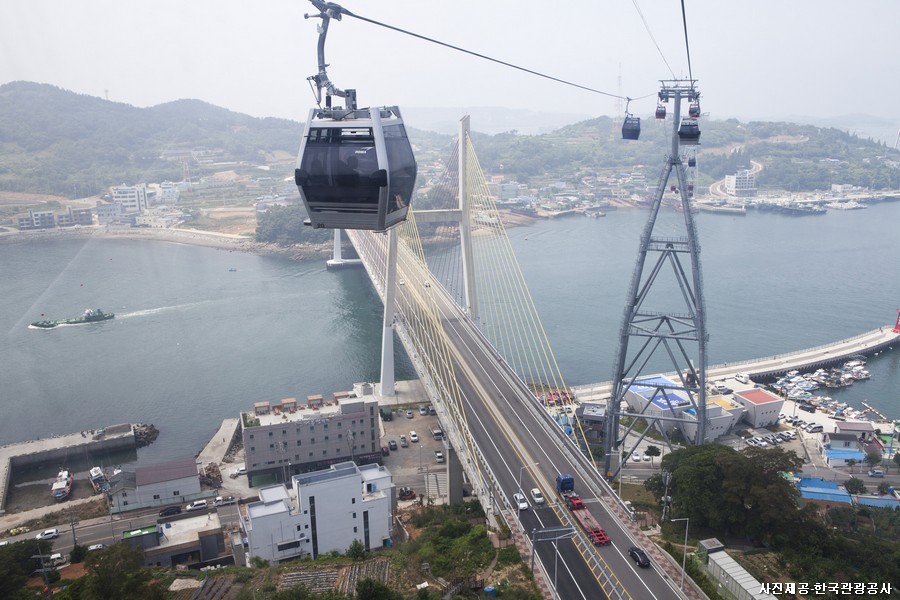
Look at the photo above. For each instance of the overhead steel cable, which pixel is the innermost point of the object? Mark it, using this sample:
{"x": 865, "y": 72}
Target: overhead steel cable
{"x": 687, "y": 45}
{"x": 344, "y": 11}
{"x": 653, "y": 39}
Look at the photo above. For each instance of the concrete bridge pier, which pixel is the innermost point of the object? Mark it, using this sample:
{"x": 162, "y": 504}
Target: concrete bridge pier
{"x": 454, "y": 478}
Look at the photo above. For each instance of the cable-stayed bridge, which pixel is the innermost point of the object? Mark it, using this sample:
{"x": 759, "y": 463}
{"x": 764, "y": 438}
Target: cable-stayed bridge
{"x": 460, "y": 306}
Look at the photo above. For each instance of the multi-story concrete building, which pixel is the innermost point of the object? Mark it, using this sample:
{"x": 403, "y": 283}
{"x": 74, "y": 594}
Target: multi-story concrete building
{"x": 108, "y": 212}
{"x": 743, "y": 183}
{"x": 132, "y": 198}
{"x": 40, "y": 219}
{"x": 328, "y": 511}
{"x": 288, "y": 438}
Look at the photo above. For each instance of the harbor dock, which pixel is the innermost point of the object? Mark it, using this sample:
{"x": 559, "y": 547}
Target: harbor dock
{"x": 56, "y": 450}
{"x": 768, "y": 369}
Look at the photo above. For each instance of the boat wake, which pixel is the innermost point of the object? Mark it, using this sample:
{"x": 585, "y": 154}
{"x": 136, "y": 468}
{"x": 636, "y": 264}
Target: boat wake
{"x": 162, "y": 309}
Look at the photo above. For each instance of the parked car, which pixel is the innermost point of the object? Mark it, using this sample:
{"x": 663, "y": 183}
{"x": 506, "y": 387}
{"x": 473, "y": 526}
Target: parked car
{"x": 439, "y": 456}
{"x": 95, "y": 547}
{"x": 635, "y": 456}
{"x": 48, "y": 534}
{"x": 520, "y": 501}
{"x": 392, "y": 444}
{"x": 169, "y": 511}
{"x": 197, "y": 505}
{"x": 423, "y": 410}
{"x": 385, "y": 451}
{"x": 413, "y": 436}
{"x": 639, "y": 557}
{"x": 876, "y": 473}
{"x": 406, "y": 494}
{"x": 242, "y": 470}
{"x": 224, "y": 500}
{"x": 409, "y": 414}
{"x": 403, "y": 442}
{"x": 537, "y": 496}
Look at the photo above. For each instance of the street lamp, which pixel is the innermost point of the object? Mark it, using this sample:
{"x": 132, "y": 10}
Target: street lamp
{"x": 518, "y": 509}
{"x": 687, "y": 523}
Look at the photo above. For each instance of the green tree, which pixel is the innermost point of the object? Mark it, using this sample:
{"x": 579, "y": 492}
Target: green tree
{"x": 897, "y": 458}
{"x": 652, "y": 451}
{"x": 117, "y": 572}
{"x": 872, "y": 459}
{"x": 851, "y": 462}
{"x": 356, "y": 551}
{"x": 855, "y": 486}
{"x": 78, "y": 553}
{"x": 370, "y": 589}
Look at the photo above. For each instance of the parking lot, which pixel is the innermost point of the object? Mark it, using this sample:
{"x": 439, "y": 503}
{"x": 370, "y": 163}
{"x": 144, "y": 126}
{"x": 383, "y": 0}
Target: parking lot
{"x": 415, "y": 464}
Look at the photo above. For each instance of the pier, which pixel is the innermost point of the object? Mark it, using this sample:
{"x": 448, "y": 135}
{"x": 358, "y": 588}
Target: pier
{"x": 59, "y": 449}
{"x": 768, "y": 369}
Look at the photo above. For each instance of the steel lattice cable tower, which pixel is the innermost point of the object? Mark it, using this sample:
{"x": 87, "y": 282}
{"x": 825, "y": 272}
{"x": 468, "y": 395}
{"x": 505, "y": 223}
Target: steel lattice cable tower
{"x": 680, "y": 335}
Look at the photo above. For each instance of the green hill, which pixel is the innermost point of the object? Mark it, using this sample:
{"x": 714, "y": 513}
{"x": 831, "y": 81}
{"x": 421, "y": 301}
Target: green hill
{"x": 57, "y": 142}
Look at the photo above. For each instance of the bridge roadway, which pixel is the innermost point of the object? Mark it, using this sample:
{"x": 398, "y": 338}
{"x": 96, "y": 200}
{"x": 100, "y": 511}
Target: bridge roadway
{"x": 519, "y": 440}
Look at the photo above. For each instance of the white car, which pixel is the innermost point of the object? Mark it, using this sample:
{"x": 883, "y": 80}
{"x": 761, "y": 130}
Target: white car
{"x": 48, "y": 534}
{"x": 95, "y": 547}
{"x": 520, "y": 501}
{"x": 413, "y": 436}
{"x": 537, "y": 496}
{"x": 196, "y": 505}
{"x": 636, "y": 456}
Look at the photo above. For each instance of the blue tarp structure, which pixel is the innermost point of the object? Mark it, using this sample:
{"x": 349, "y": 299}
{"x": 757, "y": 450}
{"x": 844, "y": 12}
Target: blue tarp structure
{"x": 819, "y": 489}
{"x": 886, "y": 501}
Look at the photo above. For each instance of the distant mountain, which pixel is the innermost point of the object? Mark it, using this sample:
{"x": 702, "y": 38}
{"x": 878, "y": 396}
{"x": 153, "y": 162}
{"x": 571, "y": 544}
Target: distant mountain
{"x": 57, "y": 142}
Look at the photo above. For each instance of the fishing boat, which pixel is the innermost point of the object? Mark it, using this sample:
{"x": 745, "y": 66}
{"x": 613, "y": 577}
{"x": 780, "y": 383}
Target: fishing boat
{"x": 62, "y": 485}
{"x": 98, "y": 480}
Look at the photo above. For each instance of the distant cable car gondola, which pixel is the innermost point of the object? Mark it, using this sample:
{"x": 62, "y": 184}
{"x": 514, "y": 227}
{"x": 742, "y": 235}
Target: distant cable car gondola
{"x": 660, "y": 111}
{"x": 631, "y": 127}
{"x": 694, "y": 110}
{"x": 356, "y": 168}
{"x": 692, "y": 162}
{"x": 689, "y": 132}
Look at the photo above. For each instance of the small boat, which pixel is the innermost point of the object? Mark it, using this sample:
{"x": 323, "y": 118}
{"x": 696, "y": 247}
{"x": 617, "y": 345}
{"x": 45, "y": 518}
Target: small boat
{"x": 98, "y": 480}
{"x": 91, "y": 315}
{"x": 62, "y": 485}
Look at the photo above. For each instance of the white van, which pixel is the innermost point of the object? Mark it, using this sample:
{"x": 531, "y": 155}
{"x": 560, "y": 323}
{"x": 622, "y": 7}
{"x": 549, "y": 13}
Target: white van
{"x": 196, "y": 505}
{"x": 742, "y": 377}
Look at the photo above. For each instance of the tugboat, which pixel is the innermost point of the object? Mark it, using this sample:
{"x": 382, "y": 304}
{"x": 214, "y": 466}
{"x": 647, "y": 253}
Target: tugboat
{"x": 62, "y": 486}
{"x": 91, "y": 315}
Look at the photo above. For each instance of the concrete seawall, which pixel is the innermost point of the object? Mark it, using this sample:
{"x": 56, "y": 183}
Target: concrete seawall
{"x": 58, "y": 449}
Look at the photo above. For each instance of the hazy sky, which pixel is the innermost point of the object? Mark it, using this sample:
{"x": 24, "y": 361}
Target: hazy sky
{"x": 753, "y": 59}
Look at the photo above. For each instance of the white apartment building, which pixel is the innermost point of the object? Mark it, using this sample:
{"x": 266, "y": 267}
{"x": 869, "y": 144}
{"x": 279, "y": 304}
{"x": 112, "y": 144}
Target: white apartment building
{"x": 743, "y": 183}
{"x": 324, "y": 511}
{"x": 132, "y": 198}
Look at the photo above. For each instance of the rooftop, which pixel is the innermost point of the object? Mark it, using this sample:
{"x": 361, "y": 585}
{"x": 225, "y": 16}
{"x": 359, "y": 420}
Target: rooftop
{"x": 758, "y": 396}
{"x": 656, "y": 386}
{"x": 170, "y": 471}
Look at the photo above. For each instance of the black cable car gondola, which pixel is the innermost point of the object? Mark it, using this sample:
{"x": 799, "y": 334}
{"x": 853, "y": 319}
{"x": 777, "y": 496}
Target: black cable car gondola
{"x": 692, "y": 162}
{"x": 689, "y": 132}
{"x": 356, "y": 168}
{"x": 631, "y": 127}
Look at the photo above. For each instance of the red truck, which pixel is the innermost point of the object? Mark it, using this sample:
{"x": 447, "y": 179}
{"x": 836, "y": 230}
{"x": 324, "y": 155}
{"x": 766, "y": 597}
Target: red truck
{"x": 565, "y": 487}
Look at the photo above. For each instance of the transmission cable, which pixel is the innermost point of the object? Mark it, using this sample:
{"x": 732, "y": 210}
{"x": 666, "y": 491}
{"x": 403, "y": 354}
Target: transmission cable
{"x": 653, "y": 39}
{"x": 485, "y": 57}
{"x": 687, "y": 45}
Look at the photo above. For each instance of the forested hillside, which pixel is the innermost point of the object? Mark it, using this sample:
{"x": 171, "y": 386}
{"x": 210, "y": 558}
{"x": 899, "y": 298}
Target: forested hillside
{"x": 58, "y": 142}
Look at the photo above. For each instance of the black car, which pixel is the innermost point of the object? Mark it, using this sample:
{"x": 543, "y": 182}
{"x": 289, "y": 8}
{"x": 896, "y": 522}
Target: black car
{"x": 639, "y": 557}
{"x": 169, "y": 511}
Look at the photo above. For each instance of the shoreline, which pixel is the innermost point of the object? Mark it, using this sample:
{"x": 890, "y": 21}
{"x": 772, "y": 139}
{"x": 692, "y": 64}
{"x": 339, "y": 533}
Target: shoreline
{"x": 194, "y": 237}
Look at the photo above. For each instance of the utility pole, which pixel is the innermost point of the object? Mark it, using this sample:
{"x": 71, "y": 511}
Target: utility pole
{"x": 73, "y": 521}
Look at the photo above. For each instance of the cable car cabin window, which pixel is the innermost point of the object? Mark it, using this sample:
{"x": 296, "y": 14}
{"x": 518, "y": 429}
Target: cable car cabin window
{"x": 402, "y": 168}
{"x": 340, "y": 166}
